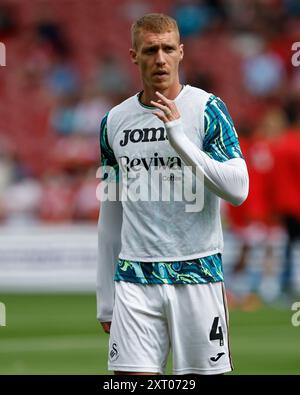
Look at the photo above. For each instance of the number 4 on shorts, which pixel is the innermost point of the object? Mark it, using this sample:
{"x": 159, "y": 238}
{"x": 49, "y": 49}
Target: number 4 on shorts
{"x": 216, "y": 332}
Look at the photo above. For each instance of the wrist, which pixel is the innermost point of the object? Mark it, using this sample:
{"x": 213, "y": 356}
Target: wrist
{"x": 174, "y": 123}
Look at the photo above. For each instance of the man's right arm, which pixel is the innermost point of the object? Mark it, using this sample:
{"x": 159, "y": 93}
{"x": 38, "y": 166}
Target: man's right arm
{"x": 109, "y": 246}
{"x": 109, "y": 238}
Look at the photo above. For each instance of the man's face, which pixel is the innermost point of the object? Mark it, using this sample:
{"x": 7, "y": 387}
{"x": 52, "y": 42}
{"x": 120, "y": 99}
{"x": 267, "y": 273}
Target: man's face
{"x": 158, "y": 56}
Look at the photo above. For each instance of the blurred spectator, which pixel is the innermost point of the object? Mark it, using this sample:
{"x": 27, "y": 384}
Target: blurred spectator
{"x": 286, "y": 190}
{"x": 62, "y": 78}
{"x": 292, "y": 7}
{"x": 111, "y": 78}
{"x": 192, "y": 16}
{"x": 253, "y": 222}
{"x": 80, "y": 114}
{"x": 264, "y": 73}
{"x": 91, "y": 108}
{"x": 202, "y": 80}
{"x": 134, "y": 9}
{"x": 85, "y": 201}
{"x": 62, "y": 117}
{"x": 48, "y": 53}
{"x": 75, "y": 153}
{"x": 12, "y": 174}
{"x": 37, "y": 61}
{"x": 6, "y": 178}
{"x": 21, "y": 201}
{"x": 7, "y": 171}
{"x": 57, "y": 198}
{"x": 48, "y": 31}
{"x": 8, "y": 19}
{"x": 248, "y": 44}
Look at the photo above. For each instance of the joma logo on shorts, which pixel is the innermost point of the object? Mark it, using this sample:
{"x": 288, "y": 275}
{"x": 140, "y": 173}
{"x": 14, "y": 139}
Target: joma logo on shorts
{"x": 145, "y": 135}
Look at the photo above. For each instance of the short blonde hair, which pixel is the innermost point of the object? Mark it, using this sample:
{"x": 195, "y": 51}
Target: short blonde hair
{"x": 155, "y": 23}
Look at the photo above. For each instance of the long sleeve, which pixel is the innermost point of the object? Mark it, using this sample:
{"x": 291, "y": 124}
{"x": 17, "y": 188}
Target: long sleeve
{"x": 109, "y": 245}
{"x": 221, "y": 162}
{"x": 109, "y": 233}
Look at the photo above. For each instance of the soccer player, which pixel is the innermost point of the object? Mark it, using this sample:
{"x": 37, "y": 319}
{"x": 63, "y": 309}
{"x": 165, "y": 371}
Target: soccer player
{"x": 286, "y": 191}
{"x": 160, "y": 279}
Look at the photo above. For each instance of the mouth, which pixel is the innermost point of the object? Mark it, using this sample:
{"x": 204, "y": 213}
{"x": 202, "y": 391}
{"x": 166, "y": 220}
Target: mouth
{"x": 160, "y": 73}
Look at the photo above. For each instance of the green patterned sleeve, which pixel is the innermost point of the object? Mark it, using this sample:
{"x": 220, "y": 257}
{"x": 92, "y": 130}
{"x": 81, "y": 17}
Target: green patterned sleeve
{"x": 107, "y": 156}
{"x": 220, "y": 138}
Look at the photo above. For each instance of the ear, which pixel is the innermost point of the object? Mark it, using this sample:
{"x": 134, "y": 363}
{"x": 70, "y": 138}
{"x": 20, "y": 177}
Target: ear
{"x": 133, "y": 55}
{"x": 181, "y": 51}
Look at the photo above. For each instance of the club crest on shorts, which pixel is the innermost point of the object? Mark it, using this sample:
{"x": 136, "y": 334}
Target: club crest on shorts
{"x": 114, "y": 352}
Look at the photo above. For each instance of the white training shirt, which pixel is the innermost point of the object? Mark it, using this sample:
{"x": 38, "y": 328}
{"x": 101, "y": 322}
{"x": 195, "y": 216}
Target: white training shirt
{"x": 164, "y": 230}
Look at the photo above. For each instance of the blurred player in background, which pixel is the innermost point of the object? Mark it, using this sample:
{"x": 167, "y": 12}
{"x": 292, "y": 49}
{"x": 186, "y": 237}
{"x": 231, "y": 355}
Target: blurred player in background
{"x": 254, "y": 223}
{"x": 286, "y": 192}
{"x": 160, "y": 276}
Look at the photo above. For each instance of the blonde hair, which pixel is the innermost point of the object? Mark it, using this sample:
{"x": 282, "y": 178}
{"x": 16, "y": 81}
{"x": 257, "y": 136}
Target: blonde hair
{"x": 155, "y": 23}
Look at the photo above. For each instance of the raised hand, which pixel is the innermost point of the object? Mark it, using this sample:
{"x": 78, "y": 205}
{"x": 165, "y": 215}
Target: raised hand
{"x": 169, "y": 111}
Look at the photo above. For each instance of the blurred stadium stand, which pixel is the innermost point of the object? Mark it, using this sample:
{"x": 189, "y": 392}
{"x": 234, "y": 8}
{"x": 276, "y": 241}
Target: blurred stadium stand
{"x": 67, "y": 64}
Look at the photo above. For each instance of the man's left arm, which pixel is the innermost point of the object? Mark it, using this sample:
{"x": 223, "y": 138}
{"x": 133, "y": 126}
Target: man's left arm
{"x": 220, "y": 161}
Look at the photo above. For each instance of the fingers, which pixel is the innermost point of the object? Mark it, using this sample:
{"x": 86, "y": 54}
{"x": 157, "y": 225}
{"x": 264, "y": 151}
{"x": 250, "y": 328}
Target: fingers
{"x": 163, "y": 103}
{"x": 161, "y": 116}
{"x": 163, "y": 98}
{"x": 106, "y": 326}
{"x": 168, "y": 108}
{"x": 165, "y": 109}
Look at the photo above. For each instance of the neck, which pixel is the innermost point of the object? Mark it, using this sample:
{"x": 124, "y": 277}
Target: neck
{"x": 149, "y": 93}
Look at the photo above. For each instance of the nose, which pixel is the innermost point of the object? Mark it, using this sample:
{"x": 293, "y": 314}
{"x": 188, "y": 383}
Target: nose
{"x": 160, "y": 58}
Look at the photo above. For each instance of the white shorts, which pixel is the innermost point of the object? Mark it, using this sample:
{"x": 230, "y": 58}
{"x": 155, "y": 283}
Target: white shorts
{"x": 148, "y": 320}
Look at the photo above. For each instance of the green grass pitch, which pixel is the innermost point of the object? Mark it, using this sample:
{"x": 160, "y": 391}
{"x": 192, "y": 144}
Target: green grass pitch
{"x": 58, "y": 334}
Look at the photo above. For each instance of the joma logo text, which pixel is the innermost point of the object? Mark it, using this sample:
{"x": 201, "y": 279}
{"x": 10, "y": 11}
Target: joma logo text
{"x": 145, "y": 135}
